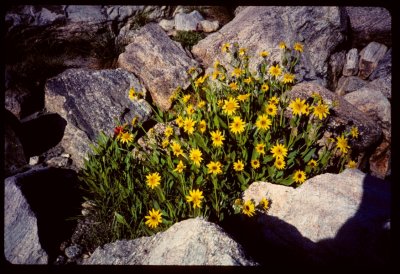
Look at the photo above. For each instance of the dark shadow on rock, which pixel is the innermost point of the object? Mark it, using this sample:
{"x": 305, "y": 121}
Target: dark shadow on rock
{"x": 41, "y": 134}
{"x": 54, "y": 197}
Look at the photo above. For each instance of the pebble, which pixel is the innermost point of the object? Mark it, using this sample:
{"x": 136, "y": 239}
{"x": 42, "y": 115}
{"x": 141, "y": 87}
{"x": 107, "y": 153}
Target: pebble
{"x": 34, "y": 160}
{"x": 73, "y": 251}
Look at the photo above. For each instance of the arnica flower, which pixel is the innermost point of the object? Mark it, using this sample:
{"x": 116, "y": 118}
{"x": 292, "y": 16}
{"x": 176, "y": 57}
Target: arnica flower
{"x": 201, "y": 104}
{"x": 180, "y": 167}
{"x": 342, "y": 144}
{"x": 255, "y": 163}
{"x": 134, "y": 121}
{"x": 279, "y": 163}
{"x": 248, "y": 208}
{"x": 237, "y": 72}
{"x": 216, "y": 64}
{"x": 186, "y": 98}
{"x": 264, "y": 87}
{"x": 191, "y": 70}
{"x": 154, "y": 218}
{"x": 282, "y": 45}
{"x": 275, "y": 70}
{"x": 188, "y": 125}
{"x": 279, "y": 151}
{"x": 230, "y": 106}
{"x": 220, "y": 102}
{"x": 242, "y": 51}
{"x": 298, "y": 106}
{"x": 168, "y": 131}
{"x": 176, "y": 149}
{"x": 237, "y": 125}
{"x": 271, "y": 109}
{"x": 307, "y": 109}
{"x": 299, "y": 176}
{"x": 225, "y": 47}
{"x": 179, "y": 121}
{"x": 265, "y": 203}
{"x": 195, "y": 156}
{"x": 165, "y": 143}
{"x": 190, "y": 110}
{"x": 273, "y": 100}
{"x": 214, "y": 167}
{"x": 298, "y": 47}
{"x": 238, "y": 166}
{"x": 243, "y": 97}
{"x": 202, "y": 126}
{"x": 263, "y": 122}
{"x": 354, "y": 132}
{"x": 312, "y": 163}
{"x": 351, "y": 164}
{"x": 153, "y": 179}
{"x": 288, "y": 78}
{"x": 321, "y": 110}
{"x": 215, "y": 74}
{"x": 217, "y": 138}
{"x": 195, "y": 196}
{"x": 126, "y": 137}
{"x": 200, "y": 80}
{"x": 248, "y": 80}
{"x": 264, "y": 54}
{"x": 221, "y": 76}
{"x": 233, "y": 86}
{"x": 260, "y": 148}
{"x": 133, "y": 96}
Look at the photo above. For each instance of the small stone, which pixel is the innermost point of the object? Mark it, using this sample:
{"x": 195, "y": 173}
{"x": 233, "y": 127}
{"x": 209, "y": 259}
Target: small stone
{"x": 208, "y": 26}
{"x": 380, "y": 160}
{"x": 58, "y": 162}
{"x": 88, "y": 204}
{"x": 369, "y": 58}
{"x": 34, "y": 160}
{"x": 85, "y": 212}
{"x": 167, "y": 25}
{"x": 351, "y": 66}
{"x": 349, "y": 84}
{"x": 85, "y": 256}
{"x": 73, "y": 251}
{"x": 188, "y": 22}
{"x": 66, "y": 155}
{"x": 61, "y": 260}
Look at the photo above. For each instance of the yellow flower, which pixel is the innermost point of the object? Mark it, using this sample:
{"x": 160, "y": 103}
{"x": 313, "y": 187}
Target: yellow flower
{"x": 186, "y": 98}
{"x": 354, "y": 132}
{"x": 242, "y": 51}
{"x": 188, "y": 125}
{"x": 275, "y": 70}
{"x": 321, "y": 110}
{"x": 248, "y": 208}
{"x": 195, "y": 197}
{"x": 230, "y": 106}
{"x": 225, "y": 47}
{"x": 168, "y": 131}
{"x": 243, "y": 97}
{"x": 307, "y": 109}
{"x": 217, "y": 138}
{"x": 180, "y": 167}
{"x": 215, "y": 74}
{"x": 201, "y": 104}
{"x": 153, "y": 179}
{"x": 214, "y": 167}
{"x": 298, "y": 47}
{"x": 220, "y": 102}
{"x": 134, "y": 121}
{"x": 312, "y": 163}
{"x": 233, "y": 86}
{"x": 255, "y": 163}
{"x": 264, "y": 87}
{"x": 221, "y": 76}
{"x": 342, "y": 144}
{"x": 263, "y": 122}
{"x": 271, "y": 109}
{"x": 237, "y": 72}
{"x": 260, "y": 148}
{"x": 165, "y": 143}
{"x": 237, "y": 126}
{"x": 176, "y": 149}
{"x": 279, "y": 151}
{"x": 279, "y": 163}
{"x": 299, "y": 176}
{"x": 216, "y": 64}
{"x": 273, "y": 100}
{"x": 195, "y": 156}
{"x": 282, "y": 45}
{"x": 154, "y": 218}
{"x": 248, "y": 80}
{"x": 238, "y": 166}
{"x": 264, "y": 53}
{"x": 126, "y": 137}
{"x": 298, "y": 106}
{"x": 202, "y": 126}
{"x": 179, "y": 121}
{"x": 265, "y": 203}
{"x": 288, "y": 78}
{"x": 200, "y": 80}
{"x": 351, "y": 164}
{"x": 191, "y": 70}
{"x": 132, "y": 94}
{"x": 190, "y": 110}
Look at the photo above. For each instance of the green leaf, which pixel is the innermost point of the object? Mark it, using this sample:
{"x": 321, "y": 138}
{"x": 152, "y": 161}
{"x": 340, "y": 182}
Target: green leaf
{"x": 309, "y": 155}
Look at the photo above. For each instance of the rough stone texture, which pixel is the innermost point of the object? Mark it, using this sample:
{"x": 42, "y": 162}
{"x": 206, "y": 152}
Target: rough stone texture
{"x": 159, "y": 62}
{"x": 384, "y": 85}
{"x": 208, "y": 26}
{"x": 262, "y": 28}
{"x": 106, "y": 92}
{"x": 380, "y": 160}
{"x": 345, "y": 114}
{"x": 190, "y": 242}
{"x": 336, "y": 63}
{"x": 369, "y": 58}
{"x": 14, "y": 155}
{"x": 167, "y": 25}
{"x": 384, "y": 67}
{"x": 15, "y": 100}
{"x": 330, "y": 217}
{"x": 188, "y": 22}
{"x": 21, "y": 240}
{"x": 58, "y": 162}
{"x": 351, "y": 66}
{"x": 349, "y": 84}
{"x": 370, "y": 24}
{"x": 73, "y": 251}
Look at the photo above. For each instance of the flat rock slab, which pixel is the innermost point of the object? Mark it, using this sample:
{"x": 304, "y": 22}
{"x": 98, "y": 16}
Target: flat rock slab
{"x": 190, "y": 242}
{"x": 159, "y": 62}
{"x": 369, "y": 58}
{"x": 91, "y": 101}
{"x": 349, "y": 84}
{"x": 351, "y": 65}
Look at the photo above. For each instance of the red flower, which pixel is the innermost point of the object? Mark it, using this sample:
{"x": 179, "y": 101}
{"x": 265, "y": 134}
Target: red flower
{"x": 118, "y": 130}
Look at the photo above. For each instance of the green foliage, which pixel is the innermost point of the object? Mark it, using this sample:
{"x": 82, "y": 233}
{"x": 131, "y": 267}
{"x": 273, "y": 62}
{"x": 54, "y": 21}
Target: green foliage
{"x": 188, "y": 38}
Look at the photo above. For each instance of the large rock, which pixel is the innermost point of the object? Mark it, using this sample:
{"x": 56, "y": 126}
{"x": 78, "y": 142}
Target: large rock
{"x": 370, "y": 24}
{"x": 384, "y": 67}
{"x": 369, "y": 58}
{"x": 336, "y": 63}
{"x": 90, "y": 101}
{"x": 159, "y": 62}
{"x": 331, "y": 217}
{"x": 349, "y": 84}
{"x": 21, "y": 239}
{"x": 190, "y": 242}
{"x": 351, "y": 65}
{"x": 188, "y": 22}
{"x": 320, "y": 29}
{"x": 344, "y": 114}
{"x": 380, "y": 160}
